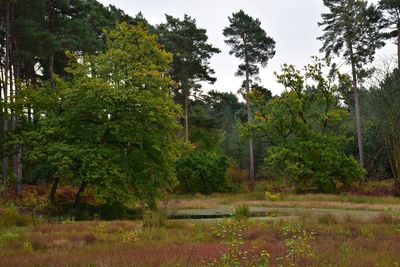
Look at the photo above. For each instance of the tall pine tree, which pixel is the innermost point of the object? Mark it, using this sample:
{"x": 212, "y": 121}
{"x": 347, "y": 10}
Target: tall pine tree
{"x": 250, "y": 43}
{"x": 391, "y": 10}
{"x": 351, "y": 30}
{"x": 192, "y": 53}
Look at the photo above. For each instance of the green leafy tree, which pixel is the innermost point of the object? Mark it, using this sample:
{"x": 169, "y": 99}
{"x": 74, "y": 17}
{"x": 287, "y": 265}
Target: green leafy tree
{"x": 114, "y": 125}
{"x": 351, "y": 30}
{"x": 302, "y": 130}
{"x": 192, "y": 53}
{"x": 202, "y": 172}
{"x": 250, "y": 43}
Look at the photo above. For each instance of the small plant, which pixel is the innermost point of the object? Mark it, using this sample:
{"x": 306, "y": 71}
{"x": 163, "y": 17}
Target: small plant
{"x": 231, "y": 233}
{"x": 129, "y": 236}
{"x": 10, "y": 216}
{"x": 297, "y": 241}
{"x": 242, "y": 212}
{"x": 271, "y": 196}
{"x": 154, "y": 219}
{"x": 8, "y": 236}
{"x": 27, "y": 245}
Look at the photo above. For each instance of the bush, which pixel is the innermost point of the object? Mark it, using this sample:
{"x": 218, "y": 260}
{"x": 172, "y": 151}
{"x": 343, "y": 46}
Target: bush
{"x": 203, "y": 172}
{"x": 10, "y": 217}
{"x": 237, "y": 177}
{"x": 242, "y": 212}
{"x": 154, "y": 219}
{"x": 317, "y": 164}
{"x": 271, "y": 196}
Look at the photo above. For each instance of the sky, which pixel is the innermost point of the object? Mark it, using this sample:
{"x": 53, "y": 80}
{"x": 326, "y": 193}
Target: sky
{"x": 293, "y": 24}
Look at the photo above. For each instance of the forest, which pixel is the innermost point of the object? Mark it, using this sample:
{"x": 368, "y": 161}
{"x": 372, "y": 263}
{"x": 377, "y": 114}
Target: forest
{"x": 104, "y": 120}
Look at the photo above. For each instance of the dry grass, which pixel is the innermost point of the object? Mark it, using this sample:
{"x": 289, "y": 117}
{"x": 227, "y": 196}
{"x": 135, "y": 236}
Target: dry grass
{"x": 351, "y": 202}
{"x": 347, "y": 242}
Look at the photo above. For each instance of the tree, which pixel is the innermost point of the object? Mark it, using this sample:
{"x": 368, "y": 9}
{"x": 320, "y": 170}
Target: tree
{"x": 34, "y": 37}
{"x": 391, "y": 9}
{"x": 192, "y": 53}
{"x": 113, "y": 126}
{"x": 302, "y": 129}
{"x": 384, "y": 103}
{"x": 250, "y": 43}
{"x": 352, "y": 30}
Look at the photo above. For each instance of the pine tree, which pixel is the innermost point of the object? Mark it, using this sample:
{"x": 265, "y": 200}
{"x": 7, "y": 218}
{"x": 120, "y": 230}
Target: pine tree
{"x": 351, "y": 30}
{"x": 192, "y": 53}
{"x": 391, "y": 10}
{"x": 250, "y": 43}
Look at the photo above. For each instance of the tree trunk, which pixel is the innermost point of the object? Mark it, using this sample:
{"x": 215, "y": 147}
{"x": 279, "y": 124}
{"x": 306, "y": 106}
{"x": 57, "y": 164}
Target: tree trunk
{"x": 51, "y": 71}
{"x": 249, "y": 120}
{"x": 80, "y": 192}
{"x": 398, "y": 46}
{"x": 5, "y": 93}
{"x": 17, "y": 155}
{"x": 186, "y": 108}
{"x": 53, "y": 190}
{"x": 357, "y": 108}
{"x": 51, "y": 26}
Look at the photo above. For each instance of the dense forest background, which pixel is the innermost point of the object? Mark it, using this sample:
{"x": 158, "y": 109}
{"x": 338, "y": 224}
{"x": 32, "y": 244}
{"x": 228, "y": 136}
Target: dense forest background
{"x": 106, "y": 104}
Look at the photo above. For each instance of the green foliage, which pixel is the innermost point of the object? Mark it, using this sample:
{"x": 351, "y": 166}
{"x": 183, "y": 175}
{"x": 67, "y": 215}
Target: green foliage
{"x": 271, "y": 196}
{"x": 215, "y": 119}
{"x": 351, "y": 29}
{"x": 249, "y": 42}
{"x": 384, "y": 108}
{"x": 8, "y": 236}
{"x": 10, "y": 216}
{"x": 391, "y": 10}
{"x": 237, "y": 177}
{"x": 190, "y": 49}
{"x": 114, "y": 125}
{"x": 301, "y": 127}
{"x": 202, "y": 172}
{"x": 242, "y": 212}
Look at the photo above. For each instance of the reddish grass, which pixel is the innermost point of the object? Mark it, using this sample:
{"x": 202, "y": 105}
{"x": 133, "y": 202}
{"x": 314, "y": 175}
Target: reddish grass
{"x": 155, "y": 256}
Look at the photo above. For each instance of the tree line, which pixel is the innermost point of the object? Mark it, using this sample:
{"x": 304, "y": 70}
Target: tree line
{"x": 95, "y": 98}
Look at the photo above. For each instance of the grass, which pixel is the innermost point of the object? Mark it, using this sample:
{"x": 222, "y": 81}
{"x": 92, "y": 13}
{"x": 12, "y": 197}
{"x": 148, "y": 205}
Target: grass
{"x": 326, "y": 240}
{"x": 345, "y": 201}
{"x": 334, "y": 242}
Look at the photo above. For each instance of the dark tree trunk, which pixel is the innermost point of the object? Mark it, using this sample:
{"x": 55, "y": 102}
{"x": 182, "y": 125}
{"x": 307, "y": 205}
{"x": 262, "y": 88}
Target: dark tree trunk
{"x": 80, "y": 192}
{"x": 53, "y": 190}
{"x": 5, "y": 92}
{"x": 52, "y": 30}
{"x": 17, "y": 155}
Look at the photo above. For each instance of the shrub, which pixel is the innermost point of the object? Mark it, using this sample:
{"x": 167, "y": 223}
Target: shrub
{"x": 242, "y": 212}
{"x": 10, "y": 217}
{"x": 154, "y": 219}
{"x": 237, "y": 177}
{"x": 202, "y": 172}
{"x": 8, "y": 236}
{"x": 271, "y": 196}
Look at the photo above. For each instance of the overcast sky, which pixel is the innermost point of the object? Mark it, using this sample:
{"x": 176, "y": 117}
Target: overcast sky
{"x": 292, "y": 23}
